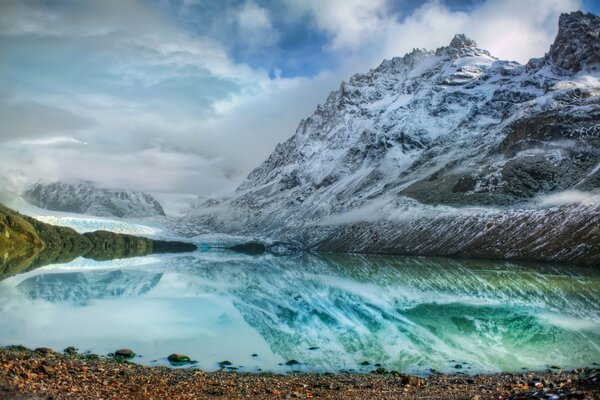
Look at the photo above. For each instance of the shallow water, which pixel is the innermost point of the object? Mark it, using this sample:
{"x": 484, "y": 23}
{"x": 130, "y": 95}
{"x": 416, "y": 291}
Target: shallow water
{"x": 408, "y": 314}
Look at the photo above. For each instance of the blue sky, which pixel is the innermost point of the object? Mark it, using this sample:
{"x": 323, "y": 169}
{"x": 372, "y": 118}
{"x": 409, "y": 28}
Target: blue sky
{"x": 297, "y": 45}
{"x": 188, "y": 96}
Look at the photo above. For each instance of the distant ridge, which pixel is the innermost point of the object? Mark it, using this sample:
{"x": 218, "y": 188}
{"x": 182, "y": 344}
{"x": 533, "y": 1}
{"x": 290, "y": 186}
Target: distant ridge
{"x": 85, "y": 198}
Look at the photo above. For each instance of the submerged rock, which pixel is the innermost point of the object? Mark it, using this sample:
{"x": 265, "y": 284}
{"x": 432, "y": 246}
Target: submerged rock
{"x": 178, "y": 359}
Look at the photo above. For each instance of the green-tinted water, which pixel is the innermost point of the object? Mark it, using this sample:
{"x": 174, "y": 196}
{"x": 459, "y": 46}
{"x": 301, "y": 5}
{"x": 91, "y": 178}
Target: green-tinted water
{"x": 408, "y": 314}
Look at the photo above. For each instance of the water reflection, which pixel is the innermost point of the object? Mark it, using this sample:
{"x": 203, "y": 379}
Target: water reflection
{"x": 80, "y": 287}
{"x": 408, "y": 314}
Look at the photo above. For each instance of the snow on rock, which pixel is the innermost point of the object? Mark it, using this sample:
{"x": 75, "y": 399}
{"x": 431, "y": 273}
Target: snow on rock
{"x": 84, "y": 198}
{"x": 453, "y": 131}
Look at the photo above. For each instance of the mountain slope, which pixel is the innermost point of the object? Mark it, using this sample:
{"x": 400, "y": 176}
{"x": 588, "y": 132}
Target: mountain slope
{"x": 421, "y": 135}
{"x": 84, "y": 198}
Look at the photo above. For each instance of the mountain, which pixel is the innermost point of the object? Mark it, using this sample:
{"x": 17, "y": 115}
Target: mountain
{"x": 445, "y": 152}
{"x": 84, "y": 198}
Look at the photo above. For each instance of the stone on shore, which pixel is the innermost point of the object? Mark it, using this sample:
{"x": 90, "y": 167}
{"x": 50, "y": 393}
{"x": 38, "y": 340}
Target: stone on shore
{"x": 125, "y": 353}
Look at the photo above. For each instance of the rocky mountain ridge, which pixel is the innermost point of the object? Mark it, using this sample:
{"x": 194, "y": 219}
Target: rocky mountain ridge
{"x": 85, "y": 198}
{"x": 439, "y": 134}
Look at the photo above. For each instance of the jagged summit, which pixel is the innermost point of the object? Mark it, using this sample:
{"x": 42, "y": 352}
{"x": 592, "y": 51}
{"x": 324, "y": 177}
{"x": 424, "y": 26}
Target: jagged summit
{"x": 462, "y": 46}
{"x": 461, "y": 41}
{"x": 577, "y": 44}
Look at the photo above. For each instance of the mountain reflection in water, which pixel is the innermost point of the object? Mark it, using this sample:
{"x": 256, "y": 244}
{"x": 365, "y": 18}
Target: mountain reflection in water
{"x": 408, "y": 314}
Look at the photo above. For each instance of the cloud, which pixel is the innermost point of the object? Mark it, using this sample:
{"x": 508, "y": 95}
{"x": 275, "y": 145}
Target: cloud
{"x": 351, "y": 23}
{"x": 255, "y": 25}
{"x": 164, "y": 104}
{"x": 510, "y": 29}
{"x": 29, "y": 119}
{"x": 569, "y": 197}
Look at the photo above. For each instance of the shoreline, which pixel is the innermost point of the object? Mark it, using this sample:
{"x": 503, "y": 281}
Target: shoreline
{"x": 29, "y": 374}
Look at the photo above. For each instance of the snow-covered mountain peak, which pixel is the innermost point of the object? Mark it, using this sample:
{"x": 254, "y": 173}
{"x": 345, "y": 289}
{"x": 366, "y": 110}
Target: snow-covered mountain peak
{"x": 85, "y": 198}
{"x": 461, "y": 41}
{"x": 427, "y": 133}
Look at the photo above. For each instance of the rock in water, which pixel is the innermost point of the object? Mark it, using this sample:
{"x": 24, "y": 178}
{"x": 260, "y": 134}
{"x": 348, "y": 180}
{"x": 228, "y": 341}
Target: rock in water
{"x": 124, "y": 353}
{"x": 178, "y": 359}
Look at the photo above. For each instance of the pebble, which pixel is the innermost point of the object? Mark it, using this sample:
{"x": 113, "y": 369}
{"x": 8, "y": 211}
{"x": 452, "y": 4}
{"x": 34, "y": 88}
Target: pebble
{"x": 25, "y": 374}
{"x": 44, "y": 350}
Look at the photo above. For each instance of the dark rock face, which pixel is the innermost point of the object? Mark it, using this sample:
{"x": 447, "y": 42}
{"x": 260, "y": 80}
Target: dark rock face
{"x": 461, "y": 41}
{"x": 577, "y": 44}
{"x": 26, "y": 243}
{"x": 569, "y": 234}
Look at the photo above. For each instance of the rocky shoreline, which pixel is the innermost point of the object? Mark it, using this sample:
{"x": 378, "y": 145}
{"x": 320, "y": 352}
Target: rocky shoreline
{"x": 45, "y": 374}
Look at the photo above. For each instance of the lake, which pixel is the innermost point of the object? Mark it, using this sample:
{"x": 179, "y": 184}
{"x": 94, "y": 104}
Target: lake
{"x": 328, "y": 312}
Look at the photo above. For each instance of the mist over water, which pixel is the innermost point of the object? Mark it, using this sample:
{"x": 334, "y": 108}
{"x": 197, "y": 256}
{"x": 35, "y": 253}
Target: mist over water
{"x": 407, "y": 314}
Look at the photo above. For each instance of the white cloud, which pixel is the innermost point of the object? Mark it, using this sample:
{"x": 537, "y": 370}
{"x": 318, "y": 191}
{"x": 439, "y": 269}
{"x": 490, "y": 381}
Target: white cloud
{"x": 252, "y": 27}
{"x": 511, "y": 29}
{"x": 252, "y": 17}
{"x": 27, "y": 119}
{"x": 163, "y": 110}
{"x": 569, "y": 197}
{"x": 351, "y": 23}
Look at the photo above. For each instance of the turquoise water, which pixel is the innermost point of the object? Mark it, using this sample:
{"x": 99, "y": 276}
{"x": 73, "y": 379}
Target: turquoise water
{"x": 328, "y": 312}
